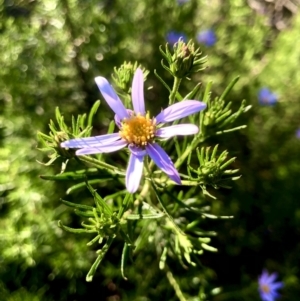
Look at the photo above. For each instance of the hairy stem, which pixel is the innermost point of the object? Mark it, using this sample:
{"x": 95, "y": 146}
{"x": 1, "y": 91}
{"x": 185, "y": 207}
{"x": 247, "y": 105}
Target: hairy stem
{"x": 175, "y": 88}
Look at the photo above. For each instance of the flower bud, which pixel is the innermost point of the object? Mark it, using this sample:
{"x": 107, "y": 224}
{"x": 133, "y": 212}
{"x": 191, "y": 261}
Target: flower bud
{"x": 123, "y": 76}
{"x": 212, "y": 169}
{"x": 185, "y": 60}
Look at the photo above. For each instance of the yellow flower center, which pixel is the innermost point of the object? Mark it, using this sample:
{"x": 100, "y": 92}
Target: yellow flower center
{"x": 138, "y": 129}
{"x": 265, "y": 288}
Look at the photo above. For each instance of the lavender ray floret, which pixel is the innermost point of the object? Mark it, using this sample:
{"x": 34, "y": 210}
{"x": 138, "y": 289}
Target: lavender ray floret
{"x": 137, "y": 92}
{"x": 98, "y": 149}
{"x": 180, "y": 110}
{"x": 134, "y": 172}
{"x": 91, "y": 141}
{"x": 163, "y": 161}
{"x": 177, "y": 130}
{"x": 111, "y": 97}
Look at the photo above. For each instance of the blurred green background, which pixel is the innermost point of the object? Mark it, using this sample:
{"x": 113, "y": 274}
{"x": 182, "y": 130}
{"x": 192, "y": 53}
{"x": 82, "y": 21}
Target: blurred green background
{"x": 50, "y": 52}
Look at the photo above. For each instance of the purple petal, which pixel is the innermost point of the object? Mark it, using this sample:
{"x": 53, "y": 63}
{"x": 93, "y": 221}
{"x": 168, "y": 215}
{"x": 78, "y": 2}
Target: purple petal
{"x": 265, "y": 274}
{"x": 97, "y": 149}
{"x": 272, "y": 277}
{"x": 134, "y": 172}
{"x": 275, "y": 295}
{"x": 90, "y": 141}
{"x": 137, "y": 151}
{"x": 180, "y": 110}
{"x": 111, "y": 97}
{"x": 163, "y": 161}
{"x": 179, "y": 129}
{"x": 267, "y": 297}
{"x": 207, "y": 37}
{"x": 137, "y": 92}
{"x": 118, "y": 120}
{"x": 276, "y": 285}
{"x": 263, "y": 277}
{"x": 266, "y": 97}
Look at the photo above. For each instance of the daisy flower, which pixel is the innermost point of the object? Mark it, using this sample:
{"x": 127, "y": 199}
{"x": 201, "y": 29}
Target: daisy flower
{"x": 266, "y": 97}
{"x": 268, "y": 287}
{"x": 298, "y": 133}
{"x": 180, "y": 2}
{"x": 138, "y": 131}
{"x": 207, "y": 37}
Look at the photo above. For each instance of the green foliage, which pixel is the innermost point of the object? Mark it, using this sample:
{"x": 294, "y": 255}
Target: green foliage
{"x": 177, "y": 234}
{"x": 81, "y": 127}
{"x": 212, "y": 171}
{"x": 51, "y": 51}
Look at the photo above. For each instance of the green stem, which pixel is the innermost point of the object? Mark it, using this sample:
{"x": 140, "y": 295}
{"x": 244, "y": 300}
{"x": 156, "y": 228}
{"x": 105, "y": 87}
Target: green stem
{"x": 187, "y": 151}
{"x": 124, "y": 206}
{"x": 183, "y": 182}
{"x": 102, "y": 252}
{"x": 175, "y": 88}
{"x": 231, "y": 130}
{"x": 145, "y": 190}
{"x": 175, "y": 286}
{"x": 101, "y": 164}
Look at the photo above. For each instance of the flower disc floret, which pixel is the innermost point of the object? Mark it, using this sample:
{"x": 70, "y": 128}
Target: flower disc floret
{"x": 265, "y": 288}
{"x": 138, "y": 130}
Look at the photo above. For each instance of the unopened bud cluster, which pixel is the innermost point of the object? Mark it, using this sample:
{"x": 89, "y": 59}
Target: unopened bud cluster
{"x": 212, "y": 169}
{"x": 184, "y": 60}
{"x": 106, "y": 226}
{"x": 123, "y": 75}
{"x": 217, "y": 112}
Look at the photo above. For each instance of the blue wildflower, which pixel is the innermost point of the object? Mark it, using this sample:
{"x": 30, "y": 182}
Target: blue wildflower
{"x": 173, "y": 37}
{"x": 207, "y": 37}
{"x": 268, "y": 287}
{"x": 298, "y": 133}
{"x": 138, "y": 131}
{"x": 266, "y": 97}
{"x": 180, "y": 2}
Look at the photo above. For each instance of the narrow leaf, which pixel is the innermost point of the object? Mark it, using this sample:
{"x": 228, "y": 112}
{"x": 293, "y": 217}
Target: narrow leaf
{"x": 162, "y": 81}
{"x": 231, "y": 130}
{"x": 73, "y": 230}
{"x": 99, "y": 200}
{"x": 229, "y": 88}
{"x": 166, "y": 211}
{"x": 78, "y": 206}
{"x": 96, "y": 238}
{"x": 93, "y": 111}
{"x": 82, "y": 185}
{"x": 101, "y": 254}
{"x": 144, "y": 216}
{"x": 194, "y": 94}
{"x": 124, "y": 259}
